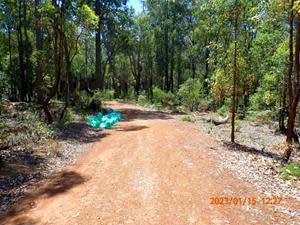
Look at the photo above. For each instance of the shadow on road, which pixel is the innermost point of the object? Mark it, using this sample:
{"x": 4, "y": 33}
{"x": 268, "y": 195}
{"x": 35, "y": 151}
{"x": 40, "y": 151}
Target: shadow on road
{"x": 251, "y": 150}
{"x": 81, "y": 132}
{"x": 59, "y": 184}
{"x": 27, "y": 166}
{"x": 24, "y": 220}
{"x": 130, "y": 128}
{"x": 138, "y": 114}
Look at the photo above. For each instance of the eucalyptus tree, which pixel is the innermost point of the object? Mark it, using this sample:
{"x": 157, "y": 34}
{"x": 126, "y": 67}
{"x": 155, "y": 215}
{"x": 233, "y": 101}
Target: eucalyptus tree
{"x": 108, "y": 12}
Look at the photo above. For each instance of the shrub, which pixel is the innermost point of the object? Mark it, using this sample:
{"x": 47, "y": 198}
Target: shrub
{"x": 166, "y": 99}
{"x": 189, "y": 119}
{"x": 88, "y": 102}
{"x": 83, "y": 100}
{"x": 142, "y": 99}
{"x": 190, "y": 94}
{"x": 265, "y": 116}
{"x": 68, "y": 118}
{"x": 238, "y": 125}
{"x": 107, "y": 94}
{"x": 224, "y": 110}
{"x": 97, "y": 99}
{"x": 263, "y": 99}
{"x": 130, "y": 95}
{"x": 291, "y": 169}
{"x": 1, "y": 106}
{"x": 205, "y": 105}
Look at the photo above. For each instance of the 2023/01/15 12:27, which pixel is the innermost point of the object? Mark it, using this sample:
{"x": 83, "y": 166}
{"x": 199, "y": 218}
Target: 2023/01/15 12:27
{"x": 245, "y": 200}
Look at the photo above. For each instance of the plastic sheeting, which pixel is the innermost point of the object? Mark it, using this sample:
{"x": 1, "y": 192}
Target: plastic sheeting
{"x": 104, "y": 121}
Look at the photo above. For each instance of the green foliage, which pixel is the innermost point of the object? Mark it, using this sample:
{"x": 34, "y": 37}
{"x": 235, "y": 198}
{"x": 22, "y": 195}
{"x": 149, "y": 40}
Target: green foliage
{"x": 170, "y": 42}
{"x": 291, "y": 170}
{"x": 205, "y": 105}
{"x": 87, "y": 17}
{"x": 23, "y": 127}
{"x": 90, "y": 103}
{"x": 190, "y": 93}
{"x": 266, "y": 96}
{"x": 265, "y": 117}
{"x": 189, "y": 119}
{"x": 68, "y": 118}
{"x": 166, "y": 99}
{"x": 84, "y": 100}
{"x": 97, "y": 99}
{"x": 224, "y": 110}
{"x": 220, "y": 85}
{"x": 104, "y": 95}
{"x": 238, "y": 125}
{"x": 2, "y": 105}
{"x": 142, "y": 100}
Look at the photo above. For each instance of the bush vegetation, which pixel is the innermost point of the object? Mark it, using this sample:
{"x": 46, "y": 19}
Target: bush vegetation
{"x": 190, "y": 94}
{"x": 189, "y": 119}
{"x": 291, "y": 170}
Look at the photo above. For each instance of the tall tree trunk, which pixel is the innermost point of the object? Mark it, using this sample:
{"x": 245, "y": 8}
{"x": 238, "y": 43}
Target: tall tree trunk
{"x": 68, "y": 72}
{"x": 85, "y": 57}
{"x": 39, "y": 48}
{"x": 151, "y": 83}
{"x": 23, "y": 85}
{"x": 166, "y": 48}
{"x": 233, "y": 109}
{"x": 166, "y": 66}
{"x": 172, "y": 65}
{"x": 179, "y": 69}
{"x": 293, "y": 91}
{"x": 193, "y": 68}
{"x": 205, "y": 84}
{"x": 13, "y": 94}
{"x": 287, "y": 87}
{"x": 99, "y": 74}
{"x": 139, "y": 73}
{"x": 149, "y": 71}
{"x": 57, "y": 57}
{"x": 291, "y": 55}
{"x": 27, "y": 55}
{"x": 283, "y": 108}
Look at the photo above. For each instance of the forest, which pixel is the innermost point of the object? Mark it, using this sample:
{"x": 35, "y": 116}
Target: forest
{"x": 236, "y": 55}
{"x": 232, "y": 64}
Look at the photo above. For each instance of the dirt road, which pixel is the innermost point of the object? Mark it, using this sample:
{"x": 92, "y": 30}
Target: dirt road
{"x": 150, "y": 169}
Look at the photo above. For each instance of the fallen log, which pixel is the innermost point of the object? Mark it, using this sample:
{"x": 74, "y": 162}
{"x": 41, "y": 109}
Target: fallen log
{"x": 220, "y": 120}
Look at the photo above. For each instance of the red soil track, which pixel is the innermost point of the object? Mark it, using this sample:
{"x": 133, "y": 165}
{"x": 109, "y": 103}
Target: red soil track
{"x": 150, "y": 169}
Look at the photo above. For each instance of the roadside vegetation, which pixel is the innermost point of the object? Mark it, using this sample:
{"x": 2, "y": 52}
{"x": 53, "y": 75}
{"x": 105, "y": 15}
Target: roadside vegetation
{"x": 231, "y": 65}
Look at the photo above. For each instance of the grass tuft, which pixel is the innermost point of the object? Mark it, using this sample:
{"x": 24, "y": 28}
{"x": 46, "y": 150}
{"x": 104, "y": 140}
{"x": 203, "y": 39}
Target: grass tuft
{"x": 189, "y": 119}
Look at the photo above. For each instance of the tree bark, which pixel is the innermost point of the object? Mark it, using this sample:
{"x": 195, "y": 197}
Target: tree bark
{"x": 13, "y": 94}
{"x": 205, "y": 82}
{"x": 233, "y": 109}
{"x": 68, "y": 71}
{"x": 166, "y": 48}
{"x": 57, "y": 56}
{"x": 291, "y": 55}
{"x": 39, "y": 48}
{"x": 99, "y": 74}
{"x": 179, "y": 69}
{"x": 139, "y": 72}
{"x": 172, "y": 65}
{"x": 294, "y": 91}
{"x": 27, "y": 48}
{"x": 23, "y": 85}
